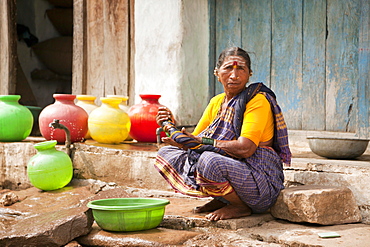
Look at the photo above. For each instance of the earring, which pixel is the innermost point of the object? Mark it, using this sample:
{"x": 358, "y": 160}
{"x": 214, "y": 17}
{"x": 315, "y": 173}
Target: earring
{"x": 250, "y": 74}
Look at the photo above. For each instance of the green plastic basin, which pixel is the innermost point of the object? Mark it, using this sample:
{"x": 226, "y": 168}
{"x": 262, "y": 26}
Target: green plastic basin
{"x": 128, "y": 214}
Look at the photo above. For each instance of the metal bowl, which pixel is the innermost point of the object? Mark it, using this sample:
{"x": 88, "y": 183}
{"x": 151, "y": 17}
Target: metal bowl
{"x": 337, "y": 147}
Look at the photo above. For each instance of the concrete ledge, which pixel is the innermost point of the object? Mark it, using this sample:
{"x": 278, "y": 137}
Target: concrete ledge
{"x": 299, "y": 144}
{"x": 14, "y": 157}
{"x": 124, "y": 164}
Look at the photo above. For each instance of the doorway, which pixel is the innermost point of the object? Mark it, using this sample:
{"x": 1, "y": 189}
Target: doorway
{"x": 44, "y": 50}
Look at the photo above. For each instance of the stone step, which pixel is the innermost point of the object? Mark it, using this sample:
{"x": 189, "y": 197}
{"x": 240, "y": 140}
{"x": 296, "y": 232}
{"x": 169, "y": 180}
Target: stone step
{"x": 317, "y": 204}
{"x": 131, "y": 164}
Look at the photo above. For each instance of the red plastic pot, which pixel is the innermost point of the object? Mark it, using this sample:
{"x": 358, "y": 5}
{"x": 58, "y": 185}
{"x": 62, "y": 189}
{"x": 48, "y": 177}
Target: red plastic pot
{"x": 69, "y": 114}
{"x": 142, "y": 116}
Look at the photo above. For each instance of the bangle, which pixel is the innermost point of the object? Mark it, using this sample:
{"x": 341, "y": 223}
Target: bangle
{"x": 214, "y": 142}
{"x": 208, "y": 141}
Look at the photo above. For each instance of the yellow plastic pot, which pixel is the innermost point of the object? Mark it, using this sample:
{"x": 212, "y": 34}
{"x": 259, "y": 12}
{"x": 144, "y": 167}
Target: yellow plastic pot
{"x": 108, "y": 123}
{"x": 123, "y": 105}
{"x": 87, "y": 102}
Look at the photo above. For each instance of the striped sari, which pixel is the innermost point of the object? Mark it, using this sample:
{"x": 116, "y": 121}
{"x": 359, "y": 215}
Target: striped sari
{"x": 257, "y": 180}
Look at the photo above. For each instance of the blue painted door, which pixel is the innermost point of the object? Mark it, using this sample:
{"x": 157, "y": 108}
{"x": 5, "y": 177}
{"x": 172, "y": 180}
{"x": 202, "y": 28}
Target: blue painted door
{"x": 313, "y": 53}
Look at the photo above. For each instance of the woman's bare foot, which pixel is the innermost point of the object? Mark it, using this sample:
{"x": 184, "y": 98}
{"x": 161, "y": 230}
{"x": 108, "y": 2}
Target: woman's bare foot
{"x": 230, "y": 212}
{"x": 210, "y": 206}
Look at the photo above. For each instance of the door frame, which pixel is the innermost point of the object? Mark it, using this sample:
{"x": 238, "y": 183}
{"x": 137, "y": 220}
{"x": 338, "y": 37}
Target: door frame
{"x": 8, "y": 47}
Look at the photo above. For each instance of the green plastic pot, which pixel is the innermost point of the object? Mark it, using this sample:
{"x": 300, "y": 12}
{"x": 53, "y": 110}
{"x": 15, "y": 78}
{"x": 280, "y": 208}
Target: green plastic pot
{"x": 49, "y": 169}
{"x": 16, "y": 120}
{"x": 128, "y": 214}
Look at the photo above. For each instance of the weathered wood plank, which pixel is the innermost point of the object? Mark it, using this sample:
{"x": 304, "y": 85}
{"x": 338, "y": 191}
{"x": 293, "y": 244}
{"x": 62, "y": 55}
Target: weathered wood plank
{"x": 363, "y": 70}
{"x": 95, "y": 48}
{"x": 108, "y": 40}
{"x": 212, "y": 81}
{"x": 116, "y": 46}
{"x": 79, "y": 67}
{"x": 8, "y": 50}
{"x": 286, "y": 65}
{"x": 342, "y": 65}
{"x": 256, "y": 37}
{"x": 313, "y": 91}
{"x": 228, "y": 28}
{"x": 131, "y": 78}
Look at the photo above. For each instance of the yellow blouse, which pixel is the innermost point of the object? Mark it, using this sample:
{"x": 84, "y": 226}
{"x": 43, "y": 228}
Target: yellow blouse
{"x": 258, "y": 121}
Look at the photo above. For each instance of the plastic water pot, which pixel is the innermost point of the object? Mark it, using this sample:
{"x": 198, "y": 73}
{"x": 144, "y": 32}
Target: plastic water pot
{"x": 49, "y": 169}
{"x": 16, "y": 120}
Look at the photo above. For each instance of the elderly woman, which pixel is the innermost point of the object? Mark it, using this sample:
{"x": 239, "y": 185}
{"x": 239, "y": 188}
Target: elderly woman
{"x": 237, "y": 150}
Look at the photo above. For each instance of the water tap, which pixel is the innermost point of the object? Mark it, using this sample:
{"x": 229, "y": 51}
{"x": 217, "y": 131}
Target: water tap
{"x": 56, "y": 125}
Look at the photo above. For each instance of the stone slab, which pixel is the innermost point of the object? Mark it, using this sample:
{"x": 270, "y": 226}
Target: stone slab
{"x": 325, "y": 205}
{"x": 179, "y": 213}
{"x": 179, "y": 222}
{"x": 169, "y": 237}
{"x": 51, "y": 228}
{"x": 51, "y": 218}
{"x": 288, "y": 234}
{"x": 353, "y": 174}
{"x": 14, "y": 157}
{"x": 153, "y": 237}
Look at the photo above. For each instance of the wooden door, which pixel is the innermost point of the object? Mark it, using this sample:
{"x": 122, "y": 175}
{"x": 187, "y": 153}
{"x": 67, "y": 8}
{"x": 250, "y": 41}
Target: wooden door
{"x": 313, "y": 54}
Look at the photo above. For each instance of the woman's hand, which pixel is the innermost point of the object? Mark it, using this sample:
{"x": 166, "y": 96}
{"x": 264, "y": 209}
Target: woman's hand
{"x": 169, "y": 140}
{"x": 198, "y": 139}
{"x": 164, "y": 114}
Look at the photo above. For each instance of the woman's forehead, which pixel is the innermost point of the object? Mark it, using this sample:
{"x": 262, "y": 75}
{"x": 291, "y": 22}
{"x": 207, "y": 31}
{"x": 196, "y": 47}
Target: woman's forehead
{"x": 237, "y": 60}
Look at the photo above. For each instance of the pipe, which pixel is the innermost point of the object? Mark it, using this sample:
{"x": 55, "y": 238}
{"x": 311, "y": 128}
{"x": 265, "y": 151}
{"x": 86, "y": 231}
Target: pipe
{"x": 56, "y": 125}
{"x": 158, "y": 133}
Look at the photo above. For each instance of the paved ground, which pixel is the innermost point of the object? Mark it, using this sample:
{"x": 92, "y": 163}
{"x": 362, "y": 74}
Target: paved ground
{"x": 181, "y": 227}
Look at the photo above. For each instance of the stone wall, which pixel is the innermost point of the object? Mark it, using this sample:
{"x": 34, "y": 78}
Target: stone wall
{"x": 14, "y": 157}
{"x": 125, "y": 167}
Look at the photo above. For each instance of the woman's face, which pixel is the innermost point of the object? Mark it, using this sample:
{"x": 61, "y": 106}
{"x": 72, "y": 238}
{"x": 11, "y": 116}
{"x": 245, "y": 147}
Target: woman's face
{"x": 233, "y": 74}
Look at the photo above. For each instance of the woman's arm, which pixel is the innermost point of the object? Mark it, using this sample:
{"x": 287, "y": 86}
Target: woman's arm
{"x": 164, "y": 114}
{"x": 240, "y": 148}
